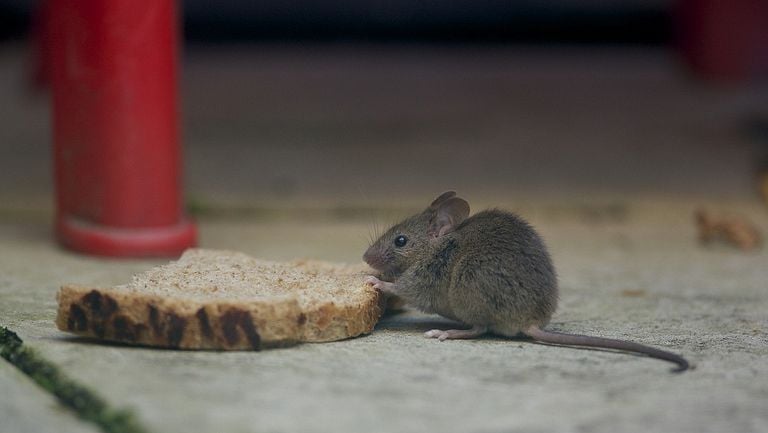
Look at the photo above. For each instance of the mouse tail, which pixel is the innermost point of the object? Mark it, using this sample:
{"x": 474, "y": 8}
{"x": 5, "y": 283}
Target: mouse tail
{"x": 551, "y": 337}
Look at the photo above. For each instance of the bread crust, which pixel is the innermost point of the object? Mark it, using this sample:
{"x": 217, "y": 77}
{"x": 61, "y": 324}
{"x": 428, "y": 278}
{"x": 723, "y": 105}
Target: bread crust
{"x": 134, "y": 317}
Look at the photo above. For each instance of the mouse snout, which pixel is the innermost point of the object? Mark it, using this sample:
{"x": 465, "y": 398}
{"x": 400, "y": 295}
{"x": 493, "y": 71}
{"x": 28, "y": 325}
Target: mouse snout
{"x": 373, "y": 257}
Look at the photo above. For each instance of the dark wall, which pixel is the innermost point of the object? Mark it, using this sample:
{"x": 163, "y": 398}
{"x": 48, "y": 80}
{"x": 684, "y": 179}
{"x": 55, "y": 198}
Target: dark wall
{"x": 622, "y": 21}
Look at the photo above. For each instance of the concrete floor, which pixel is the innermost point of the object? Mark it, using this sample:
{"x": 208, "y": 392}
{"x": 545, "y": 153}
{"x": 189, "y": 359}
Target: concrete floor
{"x": 297, "y": 151}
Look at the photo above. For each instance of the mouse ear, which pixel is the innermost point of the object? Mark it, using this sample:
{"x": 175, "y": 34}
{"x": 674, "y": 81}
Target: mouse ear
{"x": 443, "y": 197}
{"x": 450, "y": 213}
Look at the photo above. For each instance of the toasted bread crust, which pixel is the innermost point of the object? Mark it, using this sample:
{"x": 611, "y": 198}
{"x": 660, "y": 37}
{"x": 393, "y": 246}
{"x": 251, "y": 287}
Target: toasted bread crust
{"x": 133, "y": 317}
{"x": 151, "y": 320}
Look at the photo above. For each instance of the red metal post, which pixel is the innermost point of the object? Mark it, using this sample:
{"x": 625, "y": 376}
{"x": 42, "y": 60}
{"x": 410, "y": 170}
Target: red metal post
{"x": 115, "y": 125}
{"x": 724, "y": 41}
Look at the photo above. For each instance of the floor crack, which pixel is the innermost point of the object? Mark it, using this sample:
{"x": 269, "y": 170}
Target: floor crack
{"x": 86, "y": 404}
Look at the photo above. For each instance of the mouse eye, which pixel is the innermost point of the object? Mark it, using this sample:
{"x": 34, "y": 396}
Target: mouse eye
{"x": 400, "y": 241}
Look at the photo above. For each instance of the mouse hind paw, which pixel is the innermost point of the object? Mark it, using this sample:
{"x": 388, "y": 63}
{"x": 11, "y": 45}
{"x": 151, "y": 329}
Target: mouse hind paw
{"x": 454, "y": 334}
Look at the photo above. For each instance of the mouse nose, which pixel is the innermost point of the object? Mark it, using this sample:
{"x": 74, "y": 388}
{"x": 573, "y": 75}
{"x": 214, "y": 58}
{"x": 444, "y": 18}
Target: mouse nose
{"x": 371, "y": 257}
{"x": 367, "y": 256}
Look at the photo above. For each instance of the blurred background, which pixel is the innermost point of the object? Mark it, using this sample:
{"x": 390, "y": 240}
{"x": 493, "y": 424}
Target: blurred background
{"x": 344, "y": 104}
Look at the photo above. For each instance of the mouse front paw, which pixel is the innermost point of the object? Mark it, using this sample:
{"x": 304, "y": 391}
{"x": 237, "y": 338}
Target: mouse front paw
{"x": 377, "y": 284}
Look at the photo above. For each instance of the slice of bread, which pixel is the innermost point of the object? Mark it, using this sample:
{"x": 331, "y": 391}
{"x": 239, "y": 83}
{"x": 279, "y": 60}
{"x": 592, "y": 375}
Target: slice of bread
{"x": 212, "y": 299}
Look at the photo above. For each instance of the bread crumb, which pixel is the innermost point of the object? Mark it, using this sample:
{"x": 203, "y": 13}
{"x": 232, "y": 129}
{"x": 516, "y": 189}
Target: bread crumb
{"x": 633, "y": 293}
{"x": 733, "y": 230}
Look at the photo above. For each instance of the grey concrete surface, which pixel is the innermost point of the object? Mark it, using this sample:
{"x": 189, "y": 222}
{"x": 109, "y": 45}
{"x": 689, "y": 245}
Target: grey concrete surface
{"x": 636, "y": 274}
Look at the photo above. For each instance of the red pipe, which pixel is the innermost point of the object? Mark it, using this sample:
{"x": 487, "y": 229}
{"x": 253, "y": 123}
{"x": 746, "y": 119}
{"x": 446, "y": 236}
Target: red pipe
{"x": 115, "y": 126}
{"x": 724, "y": 41}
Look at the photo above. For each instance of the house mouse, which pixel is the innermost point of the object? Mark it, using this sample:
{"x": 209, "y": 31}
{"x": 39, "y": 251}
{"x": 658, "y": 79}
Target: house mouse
{"x": 491, "y": 271}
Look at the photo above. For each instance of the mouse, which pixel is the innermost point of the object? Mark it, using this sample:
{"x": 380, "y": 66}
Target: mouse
{"x": 490, "y": 271}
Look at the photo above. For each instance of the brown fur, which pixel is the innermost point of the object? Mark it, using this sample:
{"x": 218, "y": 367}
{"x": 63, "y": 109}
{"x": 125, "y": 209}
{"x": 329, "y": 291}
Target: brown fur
{"x": 491, "y": 271}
